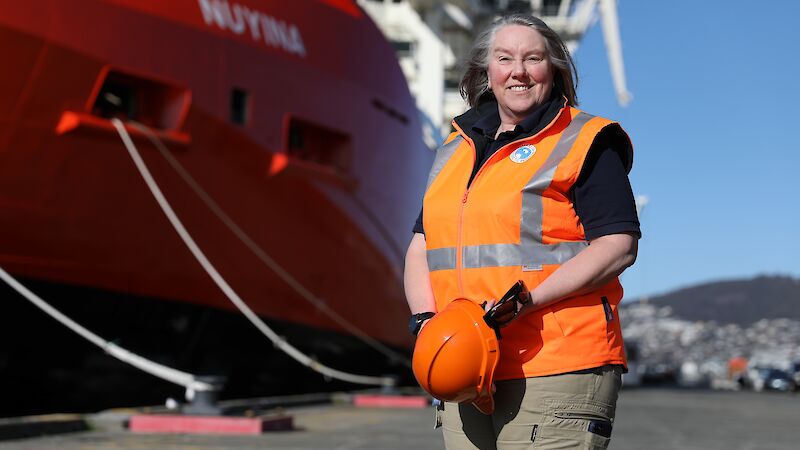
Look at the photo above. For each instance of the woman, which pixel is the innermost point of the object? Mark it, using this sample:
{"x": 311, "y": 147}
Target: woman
{"x": 530, "y": 188}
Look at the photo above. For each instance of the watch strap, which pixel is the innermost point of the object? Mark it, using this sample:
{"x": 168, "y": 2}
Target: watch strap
{"x": 416, "y": 321}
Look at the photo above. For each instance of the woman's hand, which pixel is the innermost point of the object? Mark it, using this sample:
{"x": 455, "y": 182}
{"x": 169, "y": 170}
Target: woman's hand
{"x": 501, "y": 313}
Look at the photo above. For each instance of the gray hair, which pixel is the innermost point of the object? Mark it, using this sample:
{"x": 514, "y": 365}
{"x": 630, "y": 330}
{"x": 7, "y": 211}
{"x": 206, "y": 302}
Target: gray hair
{"x": 474, "y": 85}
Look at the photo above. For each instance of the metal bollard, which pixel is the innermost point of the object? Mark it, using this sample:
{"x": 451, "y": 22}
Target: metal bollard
{"x": 204, "y": 403}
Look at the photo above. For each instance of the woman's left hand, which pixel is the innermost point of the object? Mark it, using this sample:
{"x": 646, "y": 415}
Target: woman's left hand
{"x": 500, "y": 314}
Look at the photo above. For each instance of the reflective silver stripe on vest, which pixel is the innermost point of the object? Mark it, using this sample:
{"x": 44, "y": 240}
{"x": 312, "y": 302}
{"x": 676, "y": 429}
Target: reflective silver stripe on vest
{"x": 441, "y": 258}
{"x": 504, "y": 255}
{"x": 531, "y": 253}
{"x": 535, "y": 252}
{"x": 491, "y": 255}
{"x": 443, "y": 155}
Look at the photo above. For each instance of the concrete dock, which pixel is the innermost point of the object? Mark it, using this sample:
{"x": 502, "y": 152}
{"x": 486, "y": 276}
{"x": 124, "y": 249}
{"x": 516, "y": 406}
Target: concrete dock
{"x": 646, "y": 419}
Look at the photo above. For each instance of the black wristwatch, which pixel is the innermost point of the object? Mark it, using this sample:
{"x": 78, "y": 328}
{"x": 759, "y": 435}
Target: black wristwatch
{"x": 415, "y": 323}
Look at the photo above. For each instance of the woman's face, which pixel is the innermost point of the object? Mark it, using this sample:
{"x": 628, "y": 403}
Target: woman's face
{"x": 520, "y": 73}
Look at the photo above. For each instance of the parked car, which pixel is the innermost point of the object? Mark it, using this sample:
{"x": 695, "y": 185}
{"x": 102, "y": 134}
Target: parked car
{"x": 796, "y": 372}
{"x": 769, "y": 378}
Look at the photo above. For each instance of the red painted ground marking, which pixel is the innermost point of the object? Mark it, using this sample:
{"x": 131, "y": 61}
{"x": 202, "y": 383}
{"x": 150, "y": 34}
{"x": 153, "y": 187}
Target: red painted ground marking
{"x": 156, "y": 423}
{"x": 391, "y": 401}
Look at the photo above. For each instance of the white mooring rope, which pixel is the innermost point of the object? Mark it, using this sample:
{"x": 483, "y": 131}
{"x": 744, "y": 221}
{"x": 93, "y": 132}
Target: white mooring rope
{"x": 153, "y": 368}
{"x": 225, "y": 287}
{"x": 273, "y": 265}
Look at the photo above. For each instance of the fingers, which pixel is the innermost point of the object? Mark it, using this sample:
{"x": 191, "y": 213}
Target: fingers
{"x": 505, "y": 308}
{"x": 504, "y": 319}
{"x": 501, "y": 313}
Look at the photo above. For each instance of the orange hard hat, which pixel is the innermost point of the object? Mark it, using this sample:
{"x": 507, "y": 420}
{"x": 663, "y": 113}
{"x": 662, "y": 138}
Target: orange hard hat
{"x": 456, "y": 354}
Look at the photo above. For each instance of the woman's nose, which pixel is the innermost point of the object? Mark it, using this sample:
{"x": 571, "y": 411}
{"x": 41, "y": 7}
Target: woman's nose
{"x": 518, "y": 68}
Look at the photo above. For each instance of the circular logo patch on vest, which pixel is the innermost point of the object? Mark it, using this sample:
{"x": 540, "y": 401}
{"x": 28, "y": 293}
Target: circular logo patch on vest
{"x": 523, "y": 154}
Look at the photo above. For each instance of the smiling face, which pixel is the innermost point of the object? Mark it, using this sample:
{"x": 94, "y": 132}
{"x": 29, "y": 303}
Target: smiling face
{"x": 520, "y": 73}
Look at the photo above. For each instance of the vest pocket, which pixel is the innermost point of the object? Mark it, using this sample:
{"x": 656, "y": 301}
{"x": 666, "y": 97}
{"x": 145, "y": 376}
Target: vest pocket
{"x": 607, "y": 309}
{"x": 580, "y": 316}
{"x": 551, "y": 324}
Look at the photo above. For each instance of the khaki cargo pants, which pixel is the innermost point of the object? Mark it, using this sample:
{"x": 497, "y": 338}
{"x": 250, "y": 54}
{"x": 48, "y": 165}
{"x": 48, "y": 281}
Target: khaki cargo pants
{"x": 568, "y": 411}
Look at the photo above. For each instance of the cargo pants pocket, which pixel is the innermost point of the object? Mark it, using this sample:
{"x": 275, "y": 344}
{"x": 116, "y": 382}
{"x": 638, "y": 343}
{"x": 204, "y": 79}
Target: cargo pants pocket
{"x": 580, "y": 424}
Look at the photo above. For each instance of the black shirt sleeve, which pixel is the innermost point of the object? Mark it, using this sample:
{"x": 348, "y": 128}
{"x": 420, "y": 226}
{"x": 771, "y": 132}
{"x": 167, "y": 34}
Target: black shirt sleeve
{"x": 602, "y": 195}
{"x": 418, "y": 228}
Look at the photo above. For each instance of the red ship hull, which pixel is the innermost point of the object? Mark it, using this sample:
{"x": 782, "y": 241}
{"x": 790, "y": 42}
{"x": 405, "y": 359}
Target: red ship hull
{"x": 322, "y": 166}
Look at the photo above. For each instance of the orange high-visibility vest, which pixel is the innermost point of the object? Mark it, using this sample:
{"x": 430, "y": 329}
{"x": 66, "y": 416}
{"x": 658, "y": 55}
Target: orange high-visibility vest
{"x": 516, "y": 221}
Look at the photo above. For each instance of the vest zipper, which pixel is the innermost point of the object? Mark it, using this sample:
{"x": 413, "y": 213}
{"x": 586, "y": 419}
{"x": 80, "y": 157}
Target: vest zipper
{"x": 459, "y": 249}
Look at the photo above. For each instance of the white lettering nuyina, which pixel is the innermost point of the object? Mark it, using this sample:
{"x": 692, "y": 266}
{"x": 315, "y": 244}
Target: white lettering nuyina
{"x": 239, "y": 19}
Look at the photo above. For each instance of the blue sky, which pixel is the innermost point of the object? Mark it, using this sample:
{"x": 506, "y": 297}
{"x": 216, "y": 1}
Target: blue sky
{"x": 715, "y": 128}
